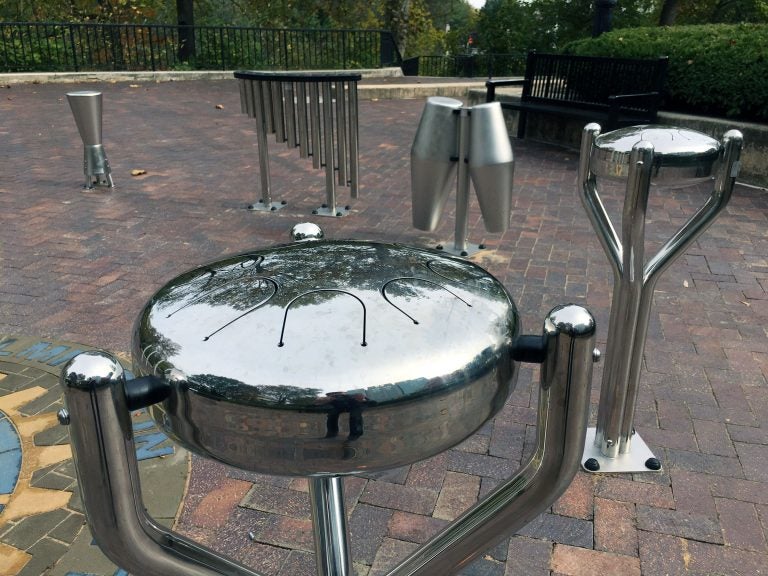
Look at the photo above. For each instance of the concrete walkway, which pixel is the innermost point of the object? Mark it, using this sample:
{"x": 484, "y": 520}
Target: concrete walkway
{"x": 77, "y": 266}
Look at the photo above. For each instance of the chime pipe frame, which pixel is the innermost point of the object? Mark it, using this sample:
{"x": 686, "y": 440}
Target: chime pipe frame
{"x": 101, "y": 434}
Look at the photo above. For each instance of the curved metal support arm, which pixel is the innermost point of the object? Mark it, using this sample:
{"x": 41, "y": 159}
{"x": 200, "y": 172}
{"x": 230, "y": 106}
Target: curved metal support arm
{"x": 108, "y": 476}
{"x": 566, "y": 376}
{"x": 590, "y": 199}
{"x": 733, "y": 142}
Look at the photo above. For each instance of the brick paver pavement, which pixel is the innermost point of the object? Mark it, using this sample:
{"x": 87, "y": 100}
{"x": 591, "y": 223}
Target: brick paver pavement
{"x": 78, "y": 265}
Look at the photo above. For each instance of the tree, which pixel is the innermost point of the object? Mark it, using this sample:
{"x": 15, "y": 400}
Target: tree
{"x": 669, "y": 12}
{"x": 185, "y": 15}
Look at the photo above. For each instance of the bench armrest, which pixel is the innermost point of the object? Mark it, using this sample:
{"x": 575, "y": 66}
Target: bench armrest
{"x": 491, "y": 85}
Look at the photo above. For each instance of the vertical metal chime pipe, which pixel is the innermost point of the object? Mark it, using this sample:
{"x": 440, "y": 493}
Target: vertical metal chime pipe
{"x": 354, "y": 140}
{"x": 290, "y": 114}
{"x": 259, "y": 105}
{"x": 329, "y": 521}
{"x": 314, "y": 124}
{"x": 330, "y": 183}
{"x": 101, "y": 436}
{"x": 462, "y": 183}
{"x": 341, "y": 131}
{"x": 566, "y": 375}
{"x": 301, "y": 113}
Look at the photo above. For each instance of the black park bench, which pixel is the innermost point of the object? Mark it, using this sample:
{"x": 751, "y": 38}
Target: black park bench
{"x": 614, "y": 92}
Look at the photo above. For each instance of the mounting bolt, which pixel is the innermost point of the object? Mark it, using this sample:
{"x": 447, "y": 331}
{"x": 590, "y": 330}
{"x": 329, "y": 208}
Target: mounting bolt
{"x": 592, "y": 465}
{"x": 481, "y": 246}
{"x": 284, "y": 202}
{"x": 273, "y": 208}
{"x": 63, "y": 416}
{"x": 439, "y": 247}
{"x": 653, "y": 464}
{"x": 464, "y": 253}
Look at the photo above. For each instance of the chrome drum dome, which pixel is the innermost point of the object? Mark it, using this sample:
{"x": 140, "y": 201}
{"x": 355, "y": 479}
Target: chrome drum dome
{"x": 328, "y": 357}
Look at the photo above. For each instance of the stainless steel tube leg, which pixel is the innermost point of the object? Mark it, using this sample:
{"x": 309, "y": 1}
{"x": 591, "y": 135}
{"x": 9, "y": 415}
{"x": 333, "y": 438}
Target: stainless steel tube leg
{"x": 329, "y": 521}
{"x": 566, "y": 374}
{"x": 108, "y": 477}
{"x": 462, "y": 186}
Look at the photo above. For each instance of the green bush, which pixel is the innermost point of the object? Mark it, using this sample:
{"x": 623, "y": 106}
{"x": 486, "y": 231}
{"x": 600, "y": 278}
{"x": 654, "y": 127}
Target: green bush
{"x": 715, "y": 69}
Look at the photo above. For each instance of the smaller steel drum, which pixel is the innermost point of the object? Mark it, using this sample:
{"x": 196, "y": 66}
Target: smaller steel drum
{"x": 682, "y": 157}
{"x": 328, "y": 357}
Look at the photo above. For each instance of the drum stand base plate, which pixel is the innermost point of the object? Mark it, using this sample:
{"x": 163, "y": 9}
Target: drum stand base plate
{"x": 260, "y": 206}
{"x": 325, "y": 210}
{"x": 469, "y": 250}
{"x": 639, "y": 459}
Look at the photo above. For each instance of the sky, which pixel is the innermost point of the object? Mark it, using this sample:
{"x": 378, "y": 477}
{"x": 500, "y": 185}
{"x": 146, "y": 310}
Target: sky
{"x": 477, "y": 3}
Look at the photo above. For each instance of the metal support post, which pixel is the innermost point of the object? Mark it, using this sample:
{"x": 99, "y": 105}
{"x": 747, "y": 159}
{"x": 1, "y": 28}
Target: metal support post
{"x": 87, "y": 109}
{"x": 257, "y": 103}
{"x": 329, "y": 522}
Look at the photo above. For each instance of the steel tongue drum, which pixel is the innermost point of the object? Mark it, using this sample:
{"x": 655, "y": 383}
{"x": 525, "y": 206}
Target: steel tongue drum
{"x": 328, "y": 357}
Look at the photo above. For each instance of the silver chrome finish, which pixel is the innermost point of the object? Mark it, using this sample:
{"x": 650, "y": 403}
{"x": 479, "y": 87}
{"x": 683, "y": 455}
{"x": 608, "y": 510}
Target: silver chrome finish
{"x": 461, "y": 227}
{"x": 683, "y": 157}
{"x": 476, "y": 140}
{"x": 328, "y": 357}
{"x": 354, "y": 144}
{"x": 86, "y": 107}
{"x": 433, "y": 160}
{"x": 285, "y": 362}
{"x": 101, "y": 436}
{"x": 564, "y": 391}
{"x": 329, "y": 523}
{"x": 491, "y": 165}
{"x": 300, "y": 108}
{"x": 329, "y": 208}
{"x": 306, "y": 231}
{"x": 264, "y": 204}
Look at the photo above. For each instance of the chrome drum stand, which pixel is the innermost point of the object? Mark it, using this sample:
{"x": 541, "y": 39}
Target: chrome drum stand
{"x": 397, "y": 356}
{"x": 642, "y": 156}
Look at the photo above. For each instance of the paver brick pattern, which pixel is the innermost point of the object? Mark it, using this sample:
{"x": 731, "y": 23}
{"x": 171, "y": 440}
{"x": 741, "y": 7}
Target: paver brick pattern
{"x": 78, "y": 265}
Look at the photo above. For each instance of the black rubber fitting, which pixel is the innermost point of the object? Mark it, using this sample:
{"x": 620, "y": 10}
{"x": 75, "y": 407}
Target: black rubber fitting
{"x": 653, "y": 464}
{"x": 145, "y": 391}
{"x": 529, "y": 348}
{"x": 592, "y": 465}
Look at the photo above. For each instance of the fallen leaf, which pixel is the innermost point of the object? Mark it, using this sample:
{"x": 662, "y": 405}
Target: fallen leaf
{"x": 219, "y": 107}
{"x": 133, "y": 86}
{"x": 685, "y": 283}
{"x": 136, "y": 172}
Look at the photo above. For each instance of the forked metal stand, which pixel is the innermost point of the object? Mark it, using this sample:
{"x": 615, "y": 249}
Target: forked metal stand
{"x": 641, "y": 155}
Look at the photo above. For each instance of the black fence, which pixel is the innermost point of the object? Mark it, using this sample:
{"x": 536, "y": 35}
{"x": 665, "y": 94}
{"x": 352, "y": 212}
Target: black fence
{"x": 64, "y": 47}
{"x": 466, "y": 66}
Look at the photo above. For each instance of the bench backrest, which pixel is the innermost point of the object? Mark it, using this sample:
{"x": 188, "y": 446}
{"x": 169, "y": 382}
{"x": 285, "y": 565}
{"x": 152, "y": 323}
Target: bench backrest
{"x": 589, "y": 80}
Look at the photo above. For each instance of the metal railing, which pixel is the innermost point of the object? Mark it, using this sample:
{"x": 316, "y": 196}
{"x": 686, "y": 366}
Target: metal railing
{"x": 466, "y": 66}
{"x": 74, "y": 47}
